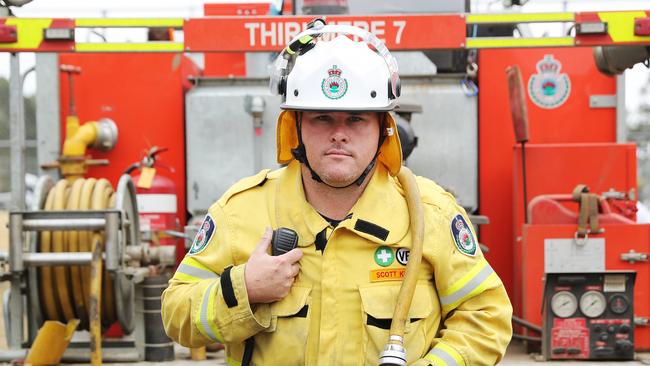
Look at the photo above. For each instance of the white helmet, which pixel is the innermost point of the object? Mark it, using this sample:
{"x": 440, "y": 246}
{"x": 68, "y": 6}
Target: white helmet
{"x": 336, "y": 75}
{"x": 341, "y": 74}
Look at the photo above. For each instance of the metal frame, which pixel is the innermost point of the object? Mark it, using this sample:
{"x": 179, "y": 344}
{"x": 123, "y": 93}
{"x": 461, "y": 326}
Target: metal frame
{"x": 19, "y": 260}
{"x": 48, "y": 133}
{"x": 17, "y": 135}
{"x": 22, "y": 260}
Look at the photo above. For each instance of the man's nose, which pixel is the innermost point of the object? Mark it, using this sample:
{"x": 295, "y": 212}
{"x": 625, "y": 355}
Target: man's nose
{"x": 339, "y": 133}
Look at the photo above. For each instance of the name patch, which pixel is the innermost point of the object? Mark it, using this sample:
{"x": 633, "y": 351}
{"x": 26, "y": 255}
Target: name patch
{"x": 392, "y": 274}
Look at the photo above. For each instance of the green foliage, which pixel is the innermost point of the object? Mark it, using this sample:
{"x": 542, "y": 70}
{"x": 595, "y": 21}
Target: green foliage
{"x": 5, "y": 134}
{"x": 30, "y": 113}
{"x": 639, "y": 133}
{"x": 4, "y": 109}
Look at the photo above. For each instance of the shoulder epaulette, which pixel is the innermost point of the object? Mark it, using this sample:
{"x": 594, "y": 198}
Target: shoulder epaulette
{"x": 243, "y": 185}
{"x": 274, "y": 174}
{"x": 433, "y": 194}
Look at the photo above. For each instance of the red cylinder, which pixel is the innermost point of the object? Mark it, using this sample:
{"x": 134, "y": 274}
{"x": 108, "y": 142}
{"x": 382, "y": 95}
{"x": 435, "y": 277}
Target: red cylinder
{"x": 158, "y": 210}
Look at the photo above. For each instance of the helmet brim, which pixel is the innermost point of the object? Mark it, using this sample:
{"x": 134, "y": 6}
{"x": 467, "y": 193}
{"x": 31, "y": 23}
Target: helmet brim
{"x": 387, "y": 108}
{"x": 390, "y": 152}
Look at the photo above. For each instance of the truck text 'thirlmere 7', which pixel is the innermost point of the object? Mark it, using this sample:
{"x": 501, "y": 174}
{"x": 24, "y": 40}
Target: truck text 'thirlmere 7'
{"x": 272, "y": 33}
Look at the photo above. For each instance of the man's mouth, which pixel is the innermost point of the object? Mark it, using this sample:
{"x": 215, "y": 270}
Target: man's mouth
{"x": 337, "y": 152}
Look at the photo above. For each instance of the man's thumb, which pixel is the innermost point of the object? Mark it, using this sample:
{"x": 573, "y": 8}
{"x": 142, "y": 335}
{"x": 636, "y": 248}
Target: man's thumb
{"x": 265, "y": 241}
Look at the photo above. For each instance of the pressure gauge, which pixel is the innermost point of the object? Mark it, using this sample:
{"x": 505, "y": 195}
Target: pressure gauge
{"x": 564, "y": 304}
{"x": 619, "y": 304}
{"x": 593, "y": 304}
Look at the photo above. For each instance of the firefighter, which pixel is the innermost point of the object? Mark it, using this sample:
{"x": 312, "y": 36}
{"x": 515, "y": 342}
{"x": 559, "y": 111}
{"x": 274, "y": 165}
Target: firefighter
{"x": 330, "y": 300}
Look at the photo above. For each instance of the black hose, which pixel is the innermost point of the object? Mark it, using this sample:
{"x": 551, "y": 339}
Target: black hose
{"x": 526, "y": 324}
{"x": 526, "y": 338}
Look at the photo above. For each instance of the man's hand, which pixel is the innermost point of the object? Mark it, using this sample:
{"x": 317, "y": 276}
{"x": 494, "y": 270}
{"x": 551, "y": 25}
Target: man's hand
{"x": 269, "y": 278}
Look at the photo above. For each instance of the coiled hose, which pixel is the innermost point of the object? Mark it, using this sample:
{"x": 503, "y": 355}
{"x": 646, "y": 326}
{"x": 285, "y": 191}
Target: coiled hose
{"x": 65, "y": 290}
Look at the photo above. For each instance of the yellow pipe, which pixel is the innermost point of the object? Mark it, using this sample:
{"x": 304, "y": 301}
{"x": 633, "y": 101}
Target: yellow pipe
{"x": 95, "y": 301}
{"x": 51, "y": 342}
{"x": 71, "y": 125}
{"x": 78, "y": 138}
{"x": 414, "y": 203}
{"x": 394, "y": 349}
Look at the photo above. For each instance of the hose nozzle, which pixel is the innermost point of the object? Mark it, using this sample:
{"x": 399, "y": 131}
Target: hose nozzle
{"x": 393, "y": 354}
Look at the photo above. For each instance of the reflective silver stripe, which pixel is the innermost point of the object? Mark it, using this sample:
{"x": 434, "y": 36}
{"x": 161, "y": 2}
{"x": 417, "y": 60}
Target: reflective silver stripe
{"x": 444, "y": 356}
{"x": 196, "y": 272}
{"x": 469, "y": 287}
{"x": 204, "y": 313}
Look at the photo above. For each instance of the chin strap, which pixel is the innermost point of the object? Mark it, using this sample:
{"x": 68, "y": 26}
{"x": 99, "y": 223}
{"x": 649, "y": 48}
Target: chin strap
{"x": 300, "y": 153}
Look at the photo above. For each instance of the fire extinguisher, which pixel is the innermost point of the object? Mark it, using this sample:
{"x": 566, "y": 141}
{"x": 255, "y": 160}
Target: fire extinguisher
{"x": 157, "y": 202}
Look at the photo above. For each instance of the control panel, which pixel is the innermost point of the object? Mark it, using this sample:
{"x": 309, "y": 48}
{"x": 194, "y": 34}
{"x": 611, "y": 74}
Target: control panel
{"x": 589, "y": 316}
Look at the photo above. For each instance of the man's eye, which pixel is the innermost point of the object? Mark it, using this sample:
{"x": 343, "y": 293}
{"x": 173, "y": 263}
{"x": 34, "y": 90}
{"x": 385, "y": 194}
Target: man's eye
{"x": 323, "y": 118}
{"x": 355, "y": 119}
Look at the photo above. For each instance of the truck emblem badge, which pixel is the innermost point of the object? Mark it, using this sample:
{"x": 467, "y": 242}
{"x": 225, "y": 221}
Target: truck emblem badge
{"x": 203, "y": 236}
{"x": 334, "y": 86}
{"x": 548, "y": 88}
{"x": 463, "y": 236}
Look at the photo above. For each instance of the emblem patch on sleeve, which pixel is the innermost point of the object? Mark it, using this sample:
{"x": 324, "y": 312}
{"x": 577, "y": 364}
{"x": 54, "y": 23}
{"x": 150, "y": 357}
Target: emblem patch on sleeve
{"x": 463, "y": 237}
{"x": 203, "y": 236}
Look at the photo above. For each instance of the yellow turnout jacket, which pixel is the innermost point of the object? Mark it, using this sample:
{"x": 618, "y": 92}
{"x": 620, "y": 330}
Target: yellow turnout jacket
{"x": 339, "y": 309}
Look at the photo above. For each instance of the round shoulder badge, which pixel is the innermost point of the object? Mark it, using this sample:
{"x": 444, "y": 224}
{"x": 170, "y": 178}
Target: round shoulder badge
{"x": 203, "y": 236}
{"x": 463, "y": 236}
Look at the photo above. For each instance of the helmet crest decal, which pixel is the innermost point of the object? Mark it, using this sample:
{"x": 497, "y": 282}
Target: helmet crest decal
{"x": 334, "y": 86}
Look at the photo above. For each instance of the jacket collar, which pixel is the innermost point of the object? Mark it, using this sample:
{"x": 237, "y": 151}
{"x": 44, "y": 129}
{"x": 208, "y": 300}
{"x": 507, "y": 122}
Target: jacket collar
{"x": 380, "y": 215}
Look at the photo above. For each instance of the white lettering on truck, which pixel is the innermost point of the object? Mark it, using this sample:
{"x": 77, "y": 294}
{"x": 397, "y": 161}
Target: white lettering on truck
{"x": 280, "y": 33}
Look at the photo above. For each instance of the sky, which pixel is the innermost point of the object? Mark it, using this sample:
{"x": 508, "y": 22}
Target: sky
{"x": 194, "y": 8}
